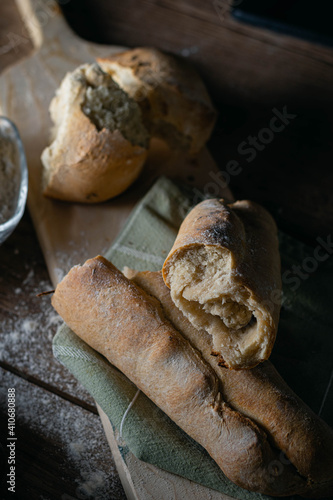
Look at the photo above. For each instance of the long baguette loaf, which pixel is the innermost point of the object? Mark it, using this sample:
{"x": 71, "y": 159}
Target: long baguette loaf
{"x": 224, "y": 274}
{"x": 128, "y": 326}
{"x": 262, "y": 395}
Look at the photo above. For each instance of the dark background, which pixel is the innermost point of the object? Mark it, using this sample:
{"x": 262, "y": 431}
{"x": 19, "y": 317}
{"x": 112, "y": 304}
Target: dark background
{"x": 248, "y": 72}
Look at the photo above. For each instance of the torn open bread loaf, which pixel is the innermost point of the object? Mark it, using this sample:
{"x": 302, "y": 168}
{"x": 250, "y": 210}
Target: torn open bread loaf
{"x": 224, "y": 275}
{"x": 263, "y": 396}
{"x": 128, "y": 326}
{"x": 99, "y": 143}
{"x": 174, "y": 101}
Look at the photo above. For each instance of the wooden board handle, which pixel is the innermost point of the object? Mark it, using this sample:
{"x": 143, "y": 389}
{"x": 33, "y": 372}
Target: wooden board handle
{"x": 44, "y": 21}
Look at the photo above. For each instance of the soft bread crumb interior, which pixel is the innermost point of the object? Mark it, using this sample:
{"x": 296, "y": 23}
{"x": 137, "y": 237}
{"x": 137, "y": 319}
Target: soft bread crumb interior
{"x": 108, "y": 106}
{"x": 234, "y": 315}
{"x": 201, "y": 287}
{"x": 156, "y": 114}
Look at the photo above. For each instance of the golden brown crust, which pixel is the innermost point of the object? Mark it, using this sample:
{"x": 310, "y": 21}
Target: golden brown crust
{"x": 141, "y": 342}
{"x": 85, "y": 164}
{"x": 305, "y": 439}
{"x": 224, "y": 267}
{"x": 262, "y": 395}
{"x": 173, "y": 99}
{"x": 95, "y": 166}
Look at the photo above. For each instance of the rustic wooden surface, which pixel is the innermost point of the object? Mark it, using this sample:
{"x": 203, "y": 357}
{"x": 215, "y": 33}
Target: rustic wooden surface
{"x": 52, "y": 430}
{"x": 249, "y": 72}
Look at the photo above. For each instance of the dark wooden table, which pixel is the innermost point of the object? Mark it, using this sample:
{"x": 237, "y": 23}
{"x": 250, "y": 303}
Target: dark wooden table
{"x": 253, "y": 75}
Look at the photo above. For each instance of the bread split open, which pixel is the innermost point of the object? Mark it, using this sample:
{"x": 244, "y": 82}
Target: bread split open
{"x": 175, "y": 104}
{"x": 224, "y": 275}
{"x": 99, "y": 142}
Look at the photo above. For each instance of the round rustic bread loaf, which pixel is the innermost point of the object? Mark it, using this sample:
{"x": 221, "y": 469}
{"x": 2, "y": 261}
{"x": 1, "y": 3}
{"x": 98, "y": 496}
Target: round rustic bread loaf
{"x": 99, "y": 143}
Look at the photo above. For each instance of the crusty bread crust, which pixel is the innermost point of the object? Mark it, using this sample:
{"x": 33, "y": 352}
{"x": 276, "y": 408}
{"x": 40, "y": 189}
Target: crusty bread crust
{"x": 143, "y": 344}
{"x": 84, "y": 164}
{"x": 224, "y": 275}
{"x": 262, "y": 395}
{"x": 173, "y": 99}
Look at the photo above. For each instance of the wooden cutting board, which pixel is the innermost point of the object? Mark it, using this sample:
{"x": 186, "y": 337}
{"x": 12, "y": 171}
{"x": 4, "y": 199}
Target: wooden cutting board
{"x": 71, "y": 233}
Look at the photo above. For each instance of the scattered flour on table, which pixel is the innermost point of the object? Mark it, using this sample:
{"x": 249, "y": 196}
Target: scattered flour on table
{"x": 29, "y": 277}
{"x": 21, "y": 332}
{"x": 9, "y": 177}
{"x": 27, "y": 328}
{"x": 81, "y": 448}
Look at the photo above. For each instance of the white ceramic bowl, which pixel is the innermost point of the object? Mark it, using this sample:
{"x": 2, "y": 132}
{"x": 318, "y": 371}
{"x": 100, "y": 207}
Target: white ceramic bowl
{"x": 8, "y": 129}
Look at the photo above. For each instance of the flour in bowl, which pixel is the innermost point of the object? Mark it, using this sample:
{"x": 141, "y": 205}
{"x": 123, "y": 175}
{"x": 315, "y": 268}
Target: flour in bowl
{"x": 9, "y": 177}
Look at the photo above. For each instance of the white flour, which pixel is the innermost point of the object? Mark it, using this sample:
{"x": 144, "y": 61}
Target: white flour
{"x": 9, "y": 177}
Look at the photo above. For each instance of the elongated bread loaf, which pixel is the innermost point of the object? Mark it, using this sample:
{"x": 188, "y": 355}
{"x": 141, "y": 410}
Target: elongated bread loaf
{"x": 128, "y": 326}
{"x": 262, "y": 395}
{"x": 224, "y": 274}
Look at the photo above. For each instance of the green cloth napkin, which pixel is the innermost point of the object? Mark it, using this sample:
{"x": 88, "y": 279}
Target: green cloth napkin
{"x": 303, "y": 351}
